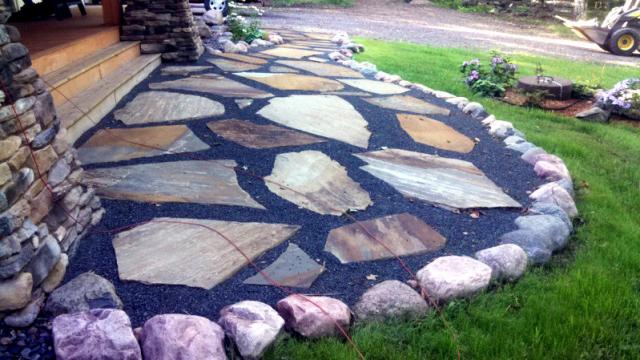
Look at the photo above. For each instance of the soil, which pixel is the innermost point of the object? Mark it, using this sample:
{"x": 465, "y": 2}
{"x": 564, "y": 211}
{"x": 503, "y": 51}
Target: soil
{"x": 569, "y": 107}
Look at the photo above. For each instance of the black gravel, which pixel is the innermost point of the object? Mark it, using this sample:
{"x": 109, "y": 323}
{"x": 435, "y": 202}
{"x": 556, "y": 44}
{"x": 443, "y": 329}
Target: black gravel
{"x": 32, "y": 343}
{"x": 465, "y": 234}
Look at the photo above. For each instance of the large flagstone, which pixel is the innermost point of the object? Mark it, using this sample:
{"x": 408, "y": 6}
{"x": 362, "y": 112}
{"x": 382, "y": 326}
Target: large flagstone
{"x": 257, "y": 136}
{"x": 290, "y": 52}
{"x": 435, "y": 133}
{"x": 311, "y": 180}
{"x": 293, "y": 81}
{"x": 445, "y": 182}
{"x": 374, "y": 86}
{"x": 324, "y": 115}
{"x": 383, "y": 238}
{"x": 182, "y": 70}
{"x": 187, "y": 252}
{"x": 282, "y": 69}
{"x": 202, "y": 182}
{"x": 161, "y": 106}
{"x": 243, "y": 58}
{"x": 124, "y": 144}
{"x": 321, "y": 69}
{"x": 294, "y": 268}
{"x": 408, "y": 103}
{"x": 231, "y": 66}
{"x": 212, "y": 84}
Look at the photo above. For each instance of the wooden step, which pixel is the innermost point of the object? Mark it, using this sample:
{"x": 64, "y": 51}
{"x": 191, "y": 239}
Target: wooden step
{"x": 75, "y": 77}
{"x": 55, "y": 58}
{"x": 87, "y": 108}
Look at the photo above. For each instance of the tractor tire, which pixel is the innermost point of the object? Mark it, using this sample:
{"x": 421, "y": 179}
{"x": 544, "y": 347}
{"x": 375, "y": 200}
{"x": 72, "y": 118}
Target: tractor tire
{"x": 605, "y": 47}
{"x": 623, "y": 42}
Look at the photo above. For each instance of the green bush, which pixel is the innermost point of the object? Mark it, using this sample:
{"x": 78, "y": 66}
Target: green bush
{"x": 491, "y": 81}
{"x": 243, "y": 29}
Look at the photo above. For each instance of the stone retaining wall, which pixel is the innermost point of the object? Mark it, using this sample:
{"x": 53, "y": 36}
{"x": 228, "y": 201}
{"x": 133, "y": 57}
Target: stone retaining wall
{"x": 163, "y": 26}
{"x": 44, "y": 208}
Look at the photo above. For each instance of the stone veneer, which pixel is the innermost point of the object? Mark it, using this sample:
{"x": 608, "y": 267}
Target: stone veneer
{"x": 163, "y": 26}
{"x": 39, "y": 222}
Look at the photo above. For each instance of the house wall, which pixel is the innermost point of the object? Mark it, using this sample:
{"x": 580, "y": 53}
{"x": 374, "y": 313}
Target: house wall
{"x": 44, "y": 207}
{"x": 163, "y": 26}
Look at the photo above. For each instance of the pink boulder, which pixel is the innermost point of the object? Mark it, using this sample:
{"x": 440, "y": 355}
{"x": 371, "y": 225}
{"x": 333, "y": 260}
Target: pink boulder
{"x": 551, "y": 169}
{"x": 177, "y": 337}
{"x": 314, "y": 316}
{"x": 555, "y": 194}
{"x": 95, "y": 334}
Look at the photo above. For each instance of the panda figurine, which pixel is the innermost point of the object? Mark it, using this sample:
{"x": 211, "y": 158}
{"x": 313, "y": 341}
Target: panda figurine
{"x": 217, "y": 5}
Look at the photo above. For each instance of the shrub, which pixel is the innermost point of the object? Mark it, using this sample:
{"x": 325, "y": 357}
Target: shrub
{"x": 242, "y": 29}
{"x": 493, "y": 81}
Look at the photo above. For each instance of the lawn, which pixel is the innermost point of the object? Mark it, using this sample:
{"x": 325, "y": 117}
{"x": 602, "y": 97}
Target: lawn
{"x": 586, "y": 303}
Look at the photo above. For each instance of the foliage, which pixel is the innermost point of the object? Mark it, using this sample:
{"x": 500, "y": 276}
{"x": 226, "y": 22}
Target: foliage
{"x": 243, "y": 29}
{"x": 624, "y": 96}
{"x": 584, "y": 90}
{"x": 489, "y": 82}
{"x": 586, "y": 303}
{"x": 535, "y": 97}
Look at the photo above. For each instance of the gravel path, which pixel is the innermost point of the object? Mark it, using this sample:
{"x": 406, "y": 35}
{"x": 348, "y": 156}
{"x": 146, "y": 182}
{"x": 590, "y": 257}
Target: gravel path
{"x": 424, "y": 23}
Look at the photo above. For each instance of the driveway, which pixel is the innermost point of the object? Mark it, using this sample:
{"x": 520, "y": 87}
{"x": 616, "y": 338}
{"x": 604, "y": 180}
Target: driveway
{"x": 422, "y": 22}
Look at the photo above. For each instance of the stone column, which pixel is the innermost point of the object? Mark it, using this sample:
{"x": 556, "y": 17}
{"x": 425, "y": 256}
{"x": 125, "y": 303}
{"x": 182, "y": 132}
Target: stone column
{"x": 163, "y": 26}
{"x": 44, "y": 207}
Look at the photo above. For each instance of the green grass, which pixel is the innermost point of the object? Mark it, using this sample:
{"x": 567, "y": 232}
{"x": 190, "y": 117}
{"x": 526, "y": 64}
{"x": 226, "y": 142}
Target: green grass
{"x": 342, "y": 3}
{"x": 586, "y": 303}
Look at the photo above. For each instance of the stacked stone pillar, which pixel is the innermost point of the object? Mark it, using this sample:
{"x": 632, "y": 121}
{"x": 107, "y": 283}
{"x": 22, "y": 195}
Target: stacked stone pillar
{"x": 44, "y": 207}
{"x": 163, "y": 26}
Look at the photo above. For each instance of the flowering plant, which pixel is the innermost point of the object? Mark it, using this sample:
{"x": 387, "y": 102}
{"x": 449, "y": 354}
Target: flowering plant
{"x": 623, "y": 97}
{"x": 492, "y": 81}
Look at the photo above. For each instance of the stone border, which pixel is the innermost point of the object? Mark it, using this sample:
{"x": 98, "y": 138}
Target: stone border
{"x": 253, "y": 326}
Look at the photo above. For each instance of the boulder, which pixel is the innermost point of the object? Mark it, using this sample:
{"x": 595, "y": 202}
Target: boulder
{"x": 531, "y": 155}
{"x": 390, "y": 299}
{"x": 553, "y": 193}
{"x": 213, "y": 17}
{"x": 27, "y": 315}
{"x": 550, "y": 227}
{"x": 340, "y": 38}
{"x": 539, "y": 208}
{"x": 15, "y": 293}
{"x": 252, "y": 325}
{"x": 551, "y": 168}
{"x": 500, "y": 128}
{"x": 56, "y": 275}
{"x": 276, "y": 39}
{"x": 595, "y": 114}
{"x": 178, "y": 336}
{"x": 474, "y": 109}
{"x": 86, "y": 291}
{"x": 508, "y": 262}
{"x": 535, "y": 245}
{"x": 450, "y": 277}
{"x": 314, "y": 316}
{"x": 95, "y": 334}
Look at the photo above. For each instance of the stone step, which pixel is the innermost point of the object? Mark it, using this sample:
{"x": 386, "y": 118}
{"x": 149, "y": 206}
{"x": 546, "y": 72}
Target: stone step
{"x": 88, "y": 107}
{"x": 62, "y": 55}
{"x": 77, "y": 76}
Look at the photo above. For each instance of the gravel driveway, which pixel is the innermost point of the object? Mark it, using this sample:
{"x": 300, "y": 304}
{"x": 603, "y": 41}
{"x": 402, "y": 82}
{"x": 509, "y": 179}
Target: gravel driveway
{"x": 422, "y": 22}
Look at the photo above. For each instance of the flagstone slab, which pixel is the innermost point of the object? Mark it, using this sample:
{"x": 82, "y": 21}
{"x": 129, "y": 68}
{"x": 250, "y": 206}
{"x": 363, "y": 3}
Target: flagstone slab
{"x": 212, "y": 84}
{"x": 293, "y": 81}
{"x": 323, "y": 115}
{"x": 161, "y": 106}
{"x": 449, "y": 183}
{"x": 435, "y": 133}
{"x": 294, "y": 268}
{"x": 182, "y": 70}
{"x": 312, "y": 180}
{"x": 317, "y": 59}
{"x": 243, "y": 58}
{"x": 125, "y": 144}
{"x": 257, "y": 136}
{"x": 231, "y": 66}
{"x": 375, "y": 86}
{"x": 243, "y": 103}
{"x": 383, "y": 238}
{"x": 321, "y": 69}
{"x": 201, "y": 182}
{"x": 288, "y": 52}
{"x": 188, "y": 252}
{"x": 408, "y": 103}
{"x": 282, "y": 69}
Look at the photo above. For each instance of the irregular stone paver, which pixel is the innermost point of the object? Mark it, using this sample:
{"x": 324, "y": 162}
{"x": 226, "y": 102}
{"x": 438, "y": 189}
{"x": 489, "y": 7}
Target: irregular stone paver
{"x": 187, "y": 252}
{"x": 212, "y": 84}
{"x": 230, "y": 65}
{"x": 408, "y": 103}
{"x": 294, "y": 268}
{"x": 290, "y": 52}
{"x": 201, "y": 182}
{"x": 125, "y": 144}
{"x": 257, "y": 136}
{"x": 435, "y": 133}
{"x": 182, "y": 70}
{"x": 311, "y": 180}
{"x": 383, "y": 238}
{"x": 243, "y": 103}
{"x": 375, "y": 86}
{"x": 293, "y": 81}
{"x": 324, "y": 115}
{"x": 160, "y": 106}
{"x": 244, "y": 58}
{"x": 317, "y": 59}
{"x": 282, "y": 69}
{"x": 449, "y": 183}
{"x": 321, "y": 69}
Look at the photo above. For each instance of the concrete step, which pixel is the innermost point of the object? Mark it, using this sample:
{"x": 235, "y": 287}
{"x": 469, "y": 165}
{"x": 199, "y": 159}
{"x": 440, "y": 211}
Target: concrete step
{"x": 88, "y": 107}
{"x": 79, "y": 75}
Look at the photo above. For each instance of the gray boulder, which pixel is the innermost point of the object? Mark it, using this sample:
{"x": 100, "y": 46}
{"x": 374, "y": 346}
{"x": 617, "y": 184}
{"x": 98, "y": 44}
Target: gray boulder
{"x": 86, "y": 291}
{"x": 537, "y": 247}
{"x": 540, "y": 208}
{"x": 550, "y": 227}
{"x": 390, "y": 299}
{"x": 508, "y": 262}
{"x": 451, "y": 277}
{"x": 595, "y": 114}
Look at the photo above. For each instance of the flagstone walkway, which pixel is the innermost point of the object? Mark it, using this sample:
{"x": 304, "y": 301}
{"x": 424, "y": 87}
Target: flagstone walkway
{"x": 262, "y": 155}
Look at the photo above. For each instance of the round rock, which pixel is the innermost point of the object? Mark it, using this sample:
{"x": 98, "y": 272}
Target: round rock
{"x": 314, "y": 316}
{"x": 508, "y": 262}
{"x": 450, "y": 277}
{"x": 86, "y": 291}
{"x": 390, "y": 299}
